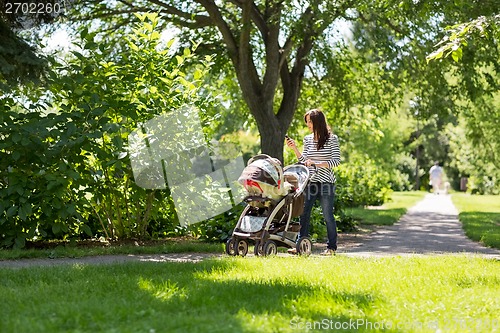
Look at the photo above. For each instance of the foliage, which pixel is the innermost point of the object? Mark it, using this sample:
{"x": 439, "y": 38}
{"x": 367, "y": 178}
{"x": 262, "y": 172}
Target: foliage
{"x": 266, "y": 43}
{"x": 367, "y": 184}
{"x": 218, "y": 228}
{"x": 472, "y": 160}
{"x": 458, "y": 34}
{"x": 80, "y": 179}
{"x": 19, "y": 62}
{"x": 247, "y": 143}
{"x": 35, "y": 195}
{"x": 473, "y": 45}
{"x": 440, "y": 90}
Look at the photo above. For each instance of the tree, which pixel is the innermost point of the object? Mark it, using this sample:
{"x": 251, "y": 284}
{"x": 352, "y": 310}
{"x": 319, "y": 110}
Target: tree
{"x": 19, "y": 61}
{"x": 473, "y": 46}
{"x": 268, "y": 43}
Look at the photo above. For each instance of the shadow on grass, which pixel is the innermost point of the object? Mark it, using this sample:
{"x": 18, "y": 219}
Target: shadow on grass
{"x": 244, "y": 304}
{"x": 210, "y": 296}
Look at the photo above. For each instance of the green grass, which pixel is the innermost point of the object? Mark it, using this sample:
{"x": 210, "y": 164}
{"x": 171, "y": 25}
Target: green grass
{"x": 390, "y": 212}
{"x": 480, "y": 217}
{"x": 255, "y": 294}
{"x": 67, "y": 250}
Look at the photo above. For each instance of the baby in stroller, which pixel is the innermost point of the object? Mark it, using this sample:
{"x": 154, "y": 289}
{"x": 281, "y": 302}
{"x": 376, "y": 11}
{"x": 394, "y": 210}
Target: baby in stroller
{"x": 274, "y": 197}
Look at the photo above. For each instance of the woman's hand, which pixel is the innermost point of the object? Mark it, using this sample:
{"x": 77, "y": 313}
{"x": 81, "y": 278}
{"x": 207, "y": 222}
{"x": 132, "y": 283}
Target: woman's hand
{"x": 309, "y": 162}
{"x": 290, "y": 143}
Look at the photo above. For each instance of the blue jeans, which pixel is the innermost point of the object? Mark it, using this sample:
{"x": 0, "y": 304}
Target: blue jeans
{"x": 325, "y": 192}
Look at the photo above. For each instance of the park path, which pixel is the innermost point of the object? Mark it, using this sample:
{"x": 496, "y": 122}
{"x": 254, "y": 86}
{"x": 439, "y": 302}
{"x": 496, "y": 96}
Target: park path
{"x": 430, "y": 227}
{"x": 107, "y": 259}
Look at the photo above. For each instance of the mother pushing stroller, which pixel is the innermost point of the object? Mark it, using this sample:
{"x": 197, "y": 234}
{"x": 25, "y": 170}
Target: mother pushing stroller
{"x": 322, "y": 151}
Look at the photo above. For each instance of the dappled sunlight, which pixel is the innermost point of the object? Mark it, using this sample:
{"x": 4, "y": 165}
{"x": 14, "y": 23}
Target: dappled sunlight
{"x": 164, "y": 291}
{"x": 255, "y": 294}
{"x": 341, "y": 303}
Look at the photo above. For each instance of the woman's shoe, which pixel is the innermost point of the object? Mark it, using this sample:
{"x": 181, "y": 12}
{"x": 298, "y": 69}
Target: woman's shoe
{"x": 328, "y": 252}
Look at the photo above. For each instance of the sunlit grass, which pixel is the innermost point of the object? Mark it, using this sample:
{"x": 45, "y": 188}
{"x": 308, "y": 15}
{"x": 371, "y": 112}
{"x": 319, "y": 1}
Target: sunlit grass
{"x": 390, "y": 212}
{"x": 480, "y": 217}
{"x": 255, "y": 294}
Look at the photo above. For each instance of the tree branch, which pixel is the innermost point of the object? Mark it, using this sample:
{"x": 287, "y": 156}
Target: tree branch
{"x": 247, "y": 66}
{"x": 178, "y": 17}
{"x": 218, "y": 21}
{"x": 257, "y": 18}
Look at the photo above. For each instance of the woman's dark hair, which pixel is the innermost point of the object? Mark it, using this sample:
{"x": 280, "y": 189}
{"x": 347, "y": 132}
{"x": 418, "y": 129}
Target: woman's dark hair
{"x": 320, "y": 128}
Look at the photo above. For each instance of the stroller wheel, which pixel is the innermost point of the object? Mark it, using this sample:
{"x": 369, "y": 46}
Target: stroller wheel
{"x": 304, "y": 246}
{"x": 241, "y": 247}
{"x": 258, "y": 248}
{"x": 230, "y": 247}
{"x": 236, "y": 247}
{"x": 269, "y": 248}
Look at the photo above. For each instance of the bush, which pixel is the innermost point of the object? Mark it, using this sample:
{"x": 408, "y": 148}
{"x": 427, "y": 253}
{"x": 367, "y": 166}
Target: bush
{"x": 64, "y": 168}
{"x": 218, "y": 228}
{"x": 362, "y": 184}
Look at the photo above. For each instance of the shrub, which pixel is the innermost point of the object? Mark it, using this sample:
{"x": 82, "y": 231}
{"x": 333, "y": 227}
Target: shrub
{"x": 362, "y": 184}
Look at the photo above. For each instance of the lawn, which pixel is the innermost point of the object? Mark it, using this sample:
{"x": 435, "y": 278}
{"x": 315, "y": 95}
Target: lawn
{"x": 255, "y": 294}
{"x": 480, "y": 217}
{"x": 390, "y": 212}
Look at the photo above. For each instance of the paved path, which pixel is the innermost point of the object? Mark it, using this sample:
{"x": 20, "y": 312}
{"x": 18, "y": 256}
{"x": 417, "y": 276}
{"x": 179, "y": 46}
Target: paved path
{"x": 108, "y": 259}
{"x": 430, "y": 227}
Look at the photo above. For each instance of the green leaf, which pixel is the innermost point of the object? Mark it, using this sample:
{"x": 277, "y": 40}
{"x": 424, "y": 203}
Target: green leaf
{"x": 16, "y": 138}
{"x": 20, "y": 242}
{"x": 22, "y": 213}
{"x": 25, "y": 141}
{"x": 16, "y": 155}
{"x": 457, "y": 55}
{"x": 56, "y": 228}
{"x": 133, "y": 46}
{"x": 86, "y": 229}
{"x": 12, "y": 211}
{"x": 197, "y": 74}
{"x": 149, "y": 27}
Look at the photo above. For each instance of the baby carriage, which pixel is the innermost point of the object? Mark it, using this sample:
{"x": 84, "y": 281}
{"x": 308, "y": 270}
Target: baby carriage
{"x": 275, "y": 196}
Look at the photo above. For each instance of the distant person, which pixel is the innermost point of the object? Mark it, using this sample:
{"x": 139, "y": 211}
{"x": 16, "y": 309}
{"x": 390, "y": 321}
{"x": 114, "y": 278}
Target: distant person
{"x": 436, "y": 177}
{"x": 321, "y": 152}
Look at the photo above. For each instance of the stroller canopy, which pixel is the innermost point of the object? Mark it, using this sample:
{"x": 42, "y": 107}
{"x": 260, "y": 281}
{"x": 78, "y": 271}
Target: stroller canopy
{"x": 261, "y": 173}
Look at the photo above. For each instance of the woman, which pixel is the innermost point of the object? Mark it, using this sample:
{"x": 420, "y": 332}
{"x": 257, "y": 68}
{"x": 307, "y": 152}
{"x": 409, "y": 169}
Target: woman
{"x": 321, "y": 153}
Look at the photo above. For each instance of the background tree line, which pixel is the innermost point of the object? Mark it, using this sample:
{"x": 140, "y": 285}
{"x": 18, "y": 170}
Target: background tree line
{"x": 394, "y": 110}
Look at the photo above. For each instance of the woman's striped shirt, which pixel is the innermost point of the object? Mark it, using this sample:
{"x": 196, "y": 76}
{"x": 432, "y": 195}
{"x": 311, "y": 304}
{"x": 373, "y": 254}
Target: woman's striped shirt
{"x": 330, "y": 153}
